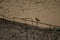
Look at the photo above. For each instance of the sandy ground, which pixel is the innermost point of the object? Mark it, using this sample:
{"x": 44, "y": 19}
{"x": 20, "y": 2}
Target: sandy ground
{"x": 48, "y": 11}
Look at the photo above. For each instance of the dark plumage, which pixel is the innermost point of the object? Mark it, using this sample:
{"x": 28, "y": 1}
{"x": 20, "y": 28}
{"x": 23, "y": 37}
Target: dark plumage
{"x": 37, "y": 19}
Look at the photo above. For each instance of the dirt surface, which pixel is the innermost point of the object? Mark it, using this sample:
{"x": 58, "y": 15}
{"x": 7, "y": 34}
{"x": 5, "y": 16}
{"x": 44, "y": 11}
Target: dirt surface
{"x": 10, "y": 30}
{"x": 48, "y": 11}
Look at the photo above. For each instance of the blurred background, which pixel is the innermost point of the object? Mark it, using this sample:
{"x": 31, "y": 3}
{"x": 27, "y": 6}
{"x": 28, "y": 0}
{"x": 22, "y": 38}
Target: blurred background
{"x": 48, "y": 11}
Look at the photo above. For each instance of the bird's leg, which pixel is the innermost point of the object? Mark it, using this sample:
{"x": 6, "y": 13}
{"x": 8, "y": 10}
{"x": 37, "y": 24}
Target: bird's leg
{"x": 37, "y": 23}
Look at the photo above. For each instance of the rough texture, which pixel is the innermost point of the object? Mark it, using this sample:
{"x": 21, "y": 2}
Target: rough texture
{"x": 23, "y": 6}
{"x": 47, "y": 11}
{"x": 10, "y": 30}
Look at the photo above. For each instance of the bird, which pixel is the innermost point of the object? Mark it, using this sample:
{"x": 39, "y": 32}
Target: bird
{"x": 37, "y": 19}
